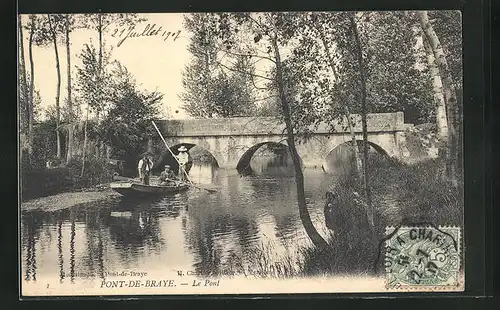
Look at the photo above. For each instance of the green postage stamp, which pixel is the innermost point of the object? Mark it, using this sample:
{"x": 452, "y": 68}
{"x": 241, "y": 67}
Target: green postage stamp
{"x": 423, "y": 258}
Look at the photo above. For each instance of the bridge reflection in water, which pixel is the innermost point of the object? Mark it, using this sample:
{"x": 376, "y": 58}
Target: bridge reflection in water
{"x": 190, "y": 230}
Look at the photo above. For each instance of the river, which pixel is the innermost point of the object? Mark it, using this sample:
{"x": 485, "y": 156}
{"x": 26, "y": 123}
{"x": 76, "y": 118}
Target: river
{"x": 250, "y": 218}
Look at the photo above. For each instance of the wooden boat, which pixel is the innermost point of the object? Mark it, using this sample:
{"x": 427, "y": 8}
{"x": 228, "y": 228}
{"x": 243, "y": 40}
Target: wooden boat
{"x": 132, "y": 187}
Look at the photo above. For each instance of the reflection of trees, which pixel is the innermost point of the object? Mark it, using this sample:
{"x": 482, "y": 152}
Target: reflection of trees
{"x": 226, "y": 214}
{"x": 72, "y": 246}
{"x": 243, "y": 216}
{"x": 277, "y": 193}
{"x": 246, "y": 227}
{"x": 94, "y": 258}
{"x": 206, "y": 224}
{"x": 172, "y": 205}
{"x": 201, "y": 239}
{"x": 286, "y": 223}
{"x": 136, "y": 223}
{"x": 132, "y": 233}
{"x": 60, "y": 217}
{"x": 60, "y": 250}
{"x": 31, "y": 225}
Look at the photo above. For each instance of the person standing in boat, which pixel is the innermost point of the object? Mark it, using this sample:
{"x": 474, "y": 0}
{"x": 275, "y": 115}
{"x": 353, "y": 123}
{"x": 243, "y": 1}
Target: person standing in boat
{"x": 182, "y": 158}
{"x": 144, "y": 167}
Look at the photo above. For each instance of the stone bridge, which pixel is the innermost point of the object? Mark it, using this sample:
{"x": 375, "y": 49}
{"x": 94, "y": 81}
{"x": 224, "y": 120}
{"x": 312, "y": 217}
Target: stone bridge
{"x": 233, "y": 141}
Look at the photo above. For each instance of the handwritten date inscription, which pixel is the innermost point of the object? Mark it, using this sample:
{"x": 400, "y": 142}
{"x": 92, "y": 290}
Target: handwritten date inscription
{"x": 149, "y": 31}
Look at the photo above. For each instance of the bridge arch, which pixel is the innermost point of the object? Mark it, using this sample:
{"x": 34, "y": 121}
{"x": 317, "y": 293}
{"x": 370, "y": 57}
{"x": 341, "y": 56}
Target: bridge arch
{"x": 195, "y": 151}
{"x": 344, "y": 151}
{"x": 243, "y": 166}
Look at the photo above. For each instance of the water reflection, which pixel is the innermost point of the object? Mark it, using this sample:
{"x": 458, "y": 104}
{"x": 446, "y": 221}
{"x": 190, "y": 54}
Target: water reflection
{"x": 190, "y": 230}
{"x": 31, "y": 233}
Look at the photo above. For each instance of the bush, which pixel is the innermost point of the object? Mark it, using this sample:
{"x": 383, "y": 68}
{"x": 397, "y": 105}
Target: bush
{"x": 37, "y": 182}
{"x": 400, "y": 194}
{"x": 97, "y": 171}
{"x": 41, "y": 181}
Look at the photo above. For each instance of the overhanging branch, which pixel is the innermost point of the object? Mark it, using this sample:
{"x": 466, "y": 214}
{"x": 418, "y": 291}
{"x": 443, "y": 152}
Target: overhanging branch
{"x": 251, "y": 55}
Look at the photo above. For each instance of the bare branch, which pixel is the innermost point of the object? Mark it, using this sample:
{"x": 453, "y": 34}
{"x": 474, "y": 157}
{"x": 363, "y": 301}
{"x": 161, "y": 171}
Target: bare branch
{"x": 221, "y": 66}
{"x": 257, "y": 23}
{"x": 251, "y": 55}
{"x": 251, "y": 74}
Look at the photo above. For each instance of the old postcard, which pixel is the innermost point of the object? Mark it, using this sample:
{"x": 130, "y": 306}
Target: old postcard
{"x": 240, "y": 153}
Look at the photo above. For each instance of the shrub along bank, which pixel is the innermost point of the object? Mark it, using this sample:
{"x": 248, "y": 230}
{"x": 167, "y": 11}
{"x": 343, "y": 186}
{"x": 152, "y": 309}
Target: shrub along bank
{"x": 400, "y": 194}
{"x": 43, "y": 181}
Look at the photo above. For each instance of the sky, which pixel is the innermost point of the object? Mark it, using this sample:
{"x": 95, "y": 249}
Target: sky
{"x": 155, "y": 63}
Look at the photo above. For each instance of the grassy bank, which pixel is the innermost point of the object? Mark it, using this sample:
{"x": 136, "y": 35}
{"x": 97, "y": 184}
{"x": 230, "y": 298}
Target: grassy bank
{"x": 400, "y": 194}
{"x": 67, "y": 200}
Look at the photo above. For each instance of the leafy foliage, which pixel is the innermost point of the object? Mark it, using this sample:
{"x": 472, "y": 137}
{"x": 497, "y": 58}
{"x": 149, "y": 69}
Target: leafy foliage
{"x": 93, "y": 88}
{"x": 127, "y": 125}
{"x": 214, "y": 87}
{"x": 394, "y": 83}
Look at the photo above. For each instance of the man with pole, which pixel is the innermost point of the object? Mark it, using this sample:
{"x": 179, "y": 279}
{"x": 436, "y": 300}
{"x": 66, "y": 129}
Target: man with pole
{"x": 182, "y": 159}
{"x": 181, "y": 170}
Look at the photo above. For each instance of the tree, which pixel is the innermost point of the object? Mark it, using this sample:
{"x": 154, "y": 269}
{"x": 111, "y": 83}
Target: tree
{"x": 362, "y": 77}
{"x": 272, "y": 31}
{"x": 100, "y": 23}
{"x": 92, "y": 85}
{"x": 214, "y": 87}
{"x": 321, "y": 78}
{"x": 440, "y": 103}
{"x": 449, "y": 93}
{"x": 35, "y": 37}
{"x": 127, "y": 125}
{"x": 55, "y": 26}
{"x": 23, "y": 82}
{"x": 448, "y": 28}
{"x": 70, "y": 24}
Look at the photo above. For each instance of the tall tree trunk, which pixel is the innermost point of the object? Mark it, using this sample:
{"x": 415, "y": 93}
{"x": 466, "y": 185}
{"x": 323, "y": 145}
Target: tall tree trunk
{"x": 69, "y": 153}
{"x": 100, "y": 30}
{"x": 347, "y": 114}
{"x": 449, "y": 93}
{"x": 311, "y": 231}
{"x": 437, "y": 87}
{"x": 32, "y": 89}
{"x": 84, "y": 153}
{"x": 440, "y": 106}
{"x": 362, "y": 74}
{"x": 99, "y": 75}
{"x": 24, "y": 82}
{"x": 23, "y": 104}
{"x": 58, "y": 91}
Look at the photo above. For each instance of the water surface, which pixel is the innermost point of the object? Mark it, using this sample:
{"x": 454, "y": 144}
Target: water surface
{"x": 248, "y": 218}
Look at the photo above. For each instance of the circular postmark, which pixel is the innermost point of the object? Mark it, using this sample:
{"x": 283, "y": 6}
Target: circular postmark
{"x": 422, "y": 256}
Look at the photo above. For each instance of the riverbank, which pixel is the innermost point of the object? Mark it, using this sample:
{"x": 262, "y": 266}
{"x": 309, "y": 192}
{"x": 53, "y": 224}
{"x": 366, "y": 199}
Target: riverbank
{"x": 67, "y": 200}
{"x": 399, "y": 193}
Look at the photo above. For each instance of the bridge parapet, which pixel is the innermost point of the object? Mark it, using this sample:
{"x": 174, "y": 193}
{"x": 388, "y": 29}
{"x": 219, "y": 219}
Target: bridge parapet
{"x": 252, "y": 126}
